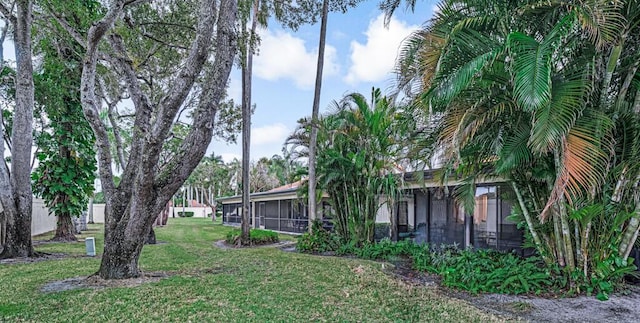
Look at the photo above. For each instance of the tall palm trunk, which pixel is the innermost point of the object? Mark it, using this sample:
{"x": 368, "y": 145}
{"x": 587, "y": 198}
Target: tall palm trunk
{"x": 315, "y": 111}
{"x": 529, "y": 220}
{"x": 632, "y": 230}
{"x": 247, "y": 69}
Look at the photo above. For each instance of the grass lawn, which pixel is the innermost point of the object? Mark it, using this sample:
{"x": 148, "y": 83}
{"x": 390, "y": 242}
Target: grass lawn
{"x": 210, "y": 284}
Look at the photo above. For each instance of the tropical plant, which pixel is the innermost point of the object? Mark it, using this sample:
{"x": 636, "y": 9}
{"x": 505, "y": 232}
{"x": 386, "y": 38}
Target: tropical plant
{"x": 545, "y": 95}
{"x": 359, "y": 149}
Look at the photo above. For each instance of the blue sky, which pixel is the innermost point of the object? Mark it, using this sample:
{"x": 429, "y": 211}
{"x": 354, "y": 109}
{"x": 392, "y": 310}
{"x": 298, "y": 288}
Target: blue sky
{"x": 360, "y": 55}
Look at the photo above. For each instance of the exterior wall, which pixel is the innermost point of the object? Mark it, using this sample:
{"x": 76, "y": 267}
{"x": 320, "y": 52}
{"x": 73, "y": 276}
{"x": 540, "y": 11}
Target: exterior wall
{"x": 198, "y": 212}
{"x": 41, "y": 221}
{"x": 384, "y": 216}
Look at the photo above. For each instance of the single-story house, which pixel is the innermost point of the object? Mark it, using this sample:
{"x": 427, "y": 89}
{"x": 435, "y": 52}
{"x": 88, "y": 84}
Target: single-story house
{"x": 427, "y": 213}
{"x": 279, "y": 209}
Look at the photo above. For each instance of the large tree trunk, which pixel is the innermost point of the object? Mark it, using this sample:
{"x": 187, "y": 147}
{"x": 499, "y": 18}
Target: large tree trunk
{"x": 146, "y": 187}
{"x": 315, "y": 111}
{"x": 65, "y": 229}
{"x": 15, "y": 190}
{"x": 120, "y": 257}
{"x": 3, "y": 165}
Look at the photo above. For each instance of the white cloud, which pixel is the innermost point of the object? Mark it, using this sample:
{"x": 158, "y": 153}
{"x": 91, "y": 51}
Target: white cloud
{"x": 283, "y": 56}
{"x": 374, "y": 60}
{"x": 269, "y": 134}
{"x": 266, "y": 141}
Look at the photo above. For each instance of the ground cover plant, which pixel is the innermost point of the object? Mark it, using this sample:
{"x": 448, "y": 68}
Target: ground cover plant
{"x": 206, "y": 283}
{"x": 256, "y": 237}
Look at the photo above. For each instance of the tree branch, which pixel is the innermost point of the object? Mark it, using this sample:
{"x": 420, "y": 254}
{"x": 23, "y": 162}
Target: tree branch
{"x": 65, "y": 25}
{"x": 91, "y": 105}
{"x": 142, "y": 105}
{"x": 114, "y": 125}
{"x": 171, "y": 177}
{"x": 187, "y": 76}
{"x": 7, "y": 12}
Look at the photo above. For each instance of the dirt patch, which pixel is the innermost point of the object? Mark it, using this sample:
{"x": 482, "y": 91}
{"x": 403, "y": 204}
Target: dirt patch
{"x": 97, "y": 283}
{"x": 40, "y": 257}
{"x": 619, "y": 307}
{"x": 402, "y": 270}
{"x": 221, "y": 244}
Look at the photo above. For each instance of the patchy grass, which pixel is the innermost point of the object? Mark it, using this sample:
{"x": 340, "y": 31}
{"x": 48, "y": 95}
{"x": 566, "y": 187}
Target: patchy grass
{"x": 210, "y": 284}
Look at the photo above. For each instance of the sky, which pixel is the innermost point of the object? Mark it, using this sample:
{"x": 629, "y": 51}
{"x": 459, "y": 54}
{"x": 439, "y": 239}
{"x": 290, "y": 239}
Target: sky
{"x": 360, "y": 55}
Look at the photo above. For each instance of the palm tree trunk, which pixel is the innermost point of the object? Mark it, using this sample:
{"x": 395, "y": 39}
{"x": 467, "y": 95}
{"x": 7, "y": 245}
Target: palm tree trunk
{"x": 559, "y": 245}
{"x": 611, "y": 66}
{"x": 630, "y": 234}
{"x": 576, "y": 237}
{"x": 314, "y": 114}
{"x": 585, "y": 252}
{"x": 529, "y": 220}
{"x": 247, "y": 71}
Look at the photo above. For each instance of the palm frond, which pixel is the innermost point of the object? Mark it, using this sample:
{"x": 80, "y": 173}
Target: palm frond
{"x": 553, "y": 121}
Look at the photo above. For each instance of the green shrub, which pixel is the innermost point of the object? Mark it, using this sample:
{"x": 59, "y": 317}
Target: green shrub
{"x": 186, "y": 214}
{"x": 494, "y": 272}
{"x": 319, "y": 241}
{"x": 387, "y": 249}
{"x": 256, "y": 237}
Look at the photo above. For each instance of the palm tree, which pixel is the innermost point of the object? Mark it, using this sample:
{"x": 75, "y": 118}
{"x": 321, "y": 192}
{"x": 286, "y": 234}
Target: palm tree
{"x": 315, "y": 111}
{"x": 359, "y": 147}
{"x": 538, "y": 93}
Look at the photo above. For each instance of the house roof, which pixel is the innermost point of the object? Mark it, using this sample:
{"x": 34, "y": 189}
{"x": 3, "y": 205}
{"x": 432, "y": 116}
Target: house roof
{"x": 412, "y": 180}
{"x": 294, "y": 185}
{"x": 289, "y": 191}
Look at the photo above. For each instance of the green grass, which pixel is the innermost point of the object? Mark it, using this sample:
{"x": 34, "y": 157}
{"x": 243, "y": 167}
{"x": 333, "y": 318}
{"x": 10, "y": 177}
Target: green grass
{"x": 210, "y": 284}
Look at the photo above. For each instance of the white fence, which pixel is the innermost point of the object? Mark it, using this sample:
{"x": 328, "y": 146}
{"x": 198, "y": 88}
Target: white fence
{"x": 198, "y": 212}
{"x": 41, "y": 221}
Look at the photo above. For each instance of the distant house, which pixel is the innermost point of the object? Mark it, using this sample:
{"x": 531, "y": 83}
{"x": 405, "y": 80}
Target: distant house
{"x": 279, "y": 209}
{"x": 426, "y": 212}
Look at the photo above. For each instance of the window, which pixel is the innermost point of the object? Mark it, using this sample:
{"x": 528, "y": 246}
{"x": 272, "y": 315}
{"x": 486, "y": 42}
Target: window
{"x": 485, "y": 217}
{"x": 403, "y": 216}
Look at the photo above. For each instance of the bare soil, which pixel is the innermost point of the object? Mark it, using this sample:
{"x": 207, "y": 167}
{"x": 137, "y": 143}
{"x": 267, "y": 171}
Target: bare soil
{"x": 98, "y": 283}
{"x": 225, "y": 246}
{"x": 40, "y": 257}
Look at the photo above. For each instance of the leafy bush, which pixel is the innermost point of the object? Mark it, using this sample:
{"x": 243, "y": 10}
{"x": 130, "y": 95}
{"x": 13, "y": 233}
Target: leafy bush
{"x": 186, "y": 214}
{"x": 256, "y": 237}
{"x": 605, "y": 276}
{"x": 493, "y": 272}
{"x": 319, "y": 241}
